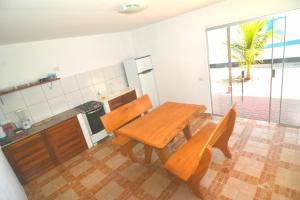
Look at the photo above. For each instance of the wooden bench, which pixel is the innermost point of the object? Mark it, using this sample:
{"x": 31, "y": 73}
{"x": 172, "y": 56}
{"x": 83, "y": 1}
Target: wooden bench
{"x": 191, "y": 161}
{"x": 123, "y": 115}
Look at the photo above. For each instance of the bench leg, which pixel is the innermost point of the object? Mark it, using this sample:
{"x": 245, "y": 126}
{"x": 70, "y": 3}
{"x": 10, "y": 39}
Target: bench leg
{"x": 194, "y": 180}
{"x": 222, "y": 144}
{"x": 148, "y": 153}
{"x": 129, "y": 151}
{"x": 224, "y": 148}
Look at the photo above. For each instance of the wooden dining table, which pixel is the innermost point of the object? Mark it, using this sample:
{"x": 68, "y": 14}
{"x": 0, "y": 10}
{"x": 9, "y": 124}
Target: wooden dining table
{"x": 160, "y": 126}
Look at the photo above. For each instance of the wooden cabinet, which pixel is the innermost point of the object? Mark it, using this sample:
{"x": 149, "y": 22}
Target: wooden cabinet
{"x": 42, "y": 151}
{"x": 66, "y": 139}
{"x": 30, "y": 157}
{"x": 121, "y": 100}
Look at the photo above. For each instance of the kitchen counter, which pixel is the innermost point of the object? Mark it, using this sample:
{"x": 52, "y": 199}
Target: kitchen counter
{"x": 40, "y": 126}
{"x": 116, "y": 94}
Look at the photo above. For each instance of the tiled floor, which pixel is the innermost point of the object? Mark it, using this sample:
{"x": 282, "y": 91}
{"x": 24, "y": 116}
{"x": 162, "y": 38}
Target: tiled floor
{"x": 265, "y": 165}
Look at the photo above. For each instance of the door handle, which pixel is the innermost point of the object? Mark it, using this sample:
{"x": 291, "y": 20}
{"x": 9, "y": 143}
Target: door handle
{"x": 273, "y": 73}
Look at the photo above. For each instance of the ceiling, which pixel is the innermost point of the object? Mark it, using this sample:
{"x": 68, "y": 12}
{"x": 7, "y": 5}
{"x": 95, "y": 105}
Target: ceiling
{"x": 31, "y": 20}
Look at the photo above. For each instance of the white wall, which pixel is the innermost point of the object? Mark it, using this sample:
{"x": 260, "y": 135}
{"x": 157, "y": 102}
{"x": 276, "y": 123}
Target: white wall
{"x": 178, "y": 45}
{"x": 26, "y": 62}
{"x": 10, "y": 187}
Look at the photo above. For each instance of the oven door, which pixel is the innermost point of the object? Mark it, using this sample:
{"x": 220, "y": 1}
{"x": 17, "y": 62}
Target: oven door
{"x": 93, "y": 118}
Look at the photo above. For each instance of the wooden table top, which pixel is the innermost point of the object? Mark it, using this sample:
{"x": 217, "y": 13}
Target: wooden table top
{"x": 160, "y": 126}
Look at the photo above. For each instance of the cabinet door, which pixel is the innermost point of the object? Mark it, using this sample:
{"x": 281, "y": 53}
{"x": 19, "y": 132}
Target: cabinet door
{"x": 66, "y": 139}
{"x": 129, "y": 97}
{"x": 121, "y": 100}
{"x": 30, "y": 157}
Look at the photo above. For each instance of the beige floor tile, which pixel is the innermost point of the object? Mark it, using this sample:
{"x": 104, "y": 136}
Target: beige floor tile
{"x": 238, "y": 190}
{"x": 262, "y": 133}
{"x": 232, "y": 141}
{"x": 46, "y": 176}
{"x": 102, "y": 153}
{"x": 208, "y": 178}
{"x": 80, "y": 168}
{"x": 155, "y": 184}
{"x": 278, "y": 197}
{"x": 218, "y": 157}
{"x": 290, "y": 140}
{"x": 287, "y": 155}
{"x": 257, "y": 148}
{"x": 290, "y": 156}
{"x": 132, "y": 198}
{"x": 138, "y": 147}
{"x": 249, "y": 166}
{"x": 72, "y": 160}
{"x": 184, "y": 193}
{"x": 133, "y": 171}
{"x": 109, "y": 192}
{"x": 116, "y": 161}
{"x": 70, "y": 194}
{"x": 289, "y": 131}
{"x": 238, "y": 129}
{"x": 92, "y": 179}
{"x": 53, "y": 186}
{"x": 288, "y": 178}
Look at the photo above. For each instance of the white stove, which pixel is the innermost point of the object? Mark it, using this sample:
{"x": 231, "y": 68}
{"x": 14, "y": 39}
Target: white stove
{"x": 89, "y": 120}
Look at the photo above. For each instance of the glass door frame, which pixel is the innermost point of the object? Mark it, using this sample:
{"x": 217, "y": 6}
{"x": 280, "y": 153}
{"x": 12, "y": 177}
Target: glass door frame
{"x": 227, "y": 26}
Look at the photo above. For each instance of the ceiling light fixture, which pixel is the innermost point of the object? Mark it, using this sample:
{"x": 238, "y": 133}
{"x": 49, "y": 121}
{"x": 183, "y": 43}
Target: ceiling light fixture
{"x": 133, "y": 7}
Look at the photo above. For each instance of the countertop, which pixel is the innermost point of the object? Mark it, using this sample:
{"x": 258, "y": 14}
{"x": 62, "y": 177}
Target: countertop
{"x": 116, "y": 94}
{"x": 40, "y": 126}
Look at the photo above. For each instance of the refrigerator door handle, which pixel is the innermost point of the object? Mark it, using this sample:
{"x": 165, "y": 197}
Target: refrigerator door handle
{"x": 146, "y": 71}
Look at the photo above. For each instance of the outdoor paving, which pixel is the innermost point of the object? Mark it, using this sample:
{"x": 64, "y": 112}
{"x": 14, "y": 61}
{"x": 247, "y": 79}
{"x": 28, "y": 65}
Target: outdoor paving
{"x": 256, "y": 92}
{"x": 257, "y": 108}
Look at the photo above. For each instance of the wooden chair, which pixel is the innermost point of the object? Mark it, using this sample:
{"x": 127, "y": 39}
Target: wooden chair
{"x": 191, "y": 161}
{"x": 123, "y": 115}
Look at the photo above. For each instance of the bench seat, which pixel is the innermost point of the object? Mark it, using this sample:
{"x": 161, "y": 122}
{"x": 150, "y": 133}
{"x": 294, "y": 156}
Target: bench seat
{"x": 185, "y": 161}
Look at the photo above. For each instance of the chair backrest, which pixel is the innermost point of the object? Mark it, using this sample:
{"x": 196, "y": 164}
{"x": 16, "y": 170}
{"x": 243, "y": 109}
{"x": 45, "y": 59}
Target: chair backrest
{"x": 185, "y": 161}
{"x": 225, "y": 127}
{"x": 124, "y": 114}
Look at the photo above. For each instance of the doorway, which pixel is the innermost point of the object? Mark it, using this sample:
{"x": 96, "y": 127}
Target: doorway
{"x": 256, "y": 64}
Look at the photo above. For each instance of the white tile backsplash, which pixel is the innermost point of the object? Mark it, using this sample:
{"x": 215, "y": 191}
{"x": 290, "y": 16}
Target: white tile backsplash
{"x": 13, "y": 101}
{"x": 12, "y": 116}
{"x": 84, "y": 79}
{"x": 74, "y": 99}
{"x": 101, "y": 88}
{"x": 88, "y": 93}
{"x": 45, "y": 101}
{"x": 40, "y": 111}
{"x": 98, "y": 76}
{"x": 58, "y": 105}
{"x": 109, "y": 73}
{"x": 52, "y": 90}
{"x": 33, "y": 95}
{"x": 69, "y": 84}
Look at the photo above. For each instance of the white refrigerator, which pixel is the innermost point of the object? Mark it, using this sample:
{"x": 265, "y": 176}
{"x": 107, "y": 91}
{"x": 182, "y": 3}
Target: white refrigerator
{"x": 140, "y": 75}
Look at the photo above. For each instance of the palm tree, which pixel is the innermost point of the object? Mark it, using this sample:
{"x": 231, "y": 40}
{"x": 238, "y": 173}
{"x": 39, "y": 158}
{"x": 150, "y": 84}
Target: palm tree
{"x": 247, "y": 49}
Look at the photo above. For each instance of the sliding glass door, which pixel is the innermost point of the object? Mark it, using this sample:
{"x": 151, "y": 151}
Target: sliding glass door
{"x": 290, "y": 100}
{"x": 256, "y": 64}
{"x": 219, "y": 70}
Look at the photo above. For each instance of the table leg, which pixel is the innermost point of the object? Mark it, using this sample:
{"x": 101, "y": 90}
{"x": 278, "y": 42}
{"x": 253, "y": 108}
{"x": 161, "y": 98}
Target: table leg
{"x": 187, "y": 132}
{"x": 162, "y": 154}
{"x": 148, "y": 153}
